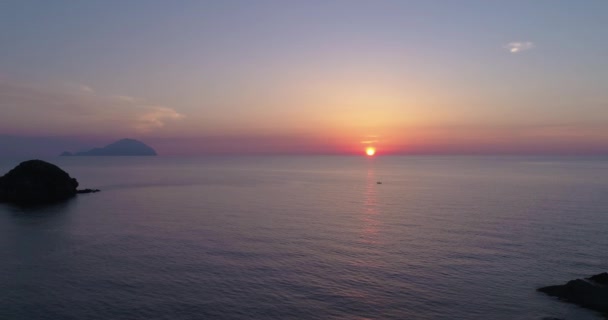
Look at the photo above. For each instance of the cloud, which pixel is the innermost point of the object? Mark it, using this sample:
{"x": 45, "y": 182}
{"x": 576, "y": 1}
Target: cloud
{"x": 125, "y": 98}
{"x": 75, "y": 88}
{"x": 370, "y": 139}
{"x": 86, "y": 89}
{"x": 30, "y": 109}
{"x": 155, "y": 118}
{"x": 517, "y": 47}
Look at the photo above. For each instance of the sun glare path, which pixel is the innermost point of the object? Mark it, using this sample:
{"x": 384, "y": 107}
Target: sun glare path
{"x": 370, "y": 151}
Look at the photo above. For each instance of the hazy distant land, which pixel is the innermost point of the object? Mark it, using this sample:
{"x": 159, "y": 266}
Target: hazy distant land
{"x": 123, "y": 147}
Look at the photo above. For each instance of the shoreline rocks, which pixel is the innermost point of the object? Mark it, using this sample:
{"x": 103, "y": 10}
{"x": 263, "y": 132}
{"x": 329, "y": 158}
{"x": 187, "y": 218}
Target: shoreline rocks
{"x": 590, "y": 293}
{"x": 81, "y": 191}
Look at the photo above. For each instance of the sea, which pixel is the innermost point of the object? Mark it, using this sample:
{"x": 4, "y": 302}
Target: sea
{"x": 307, "y": 237}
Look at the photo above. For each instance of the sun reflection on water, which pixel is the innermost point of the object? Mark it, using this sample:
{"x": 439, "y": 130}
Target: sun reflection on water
{"x": 371, "y": 223}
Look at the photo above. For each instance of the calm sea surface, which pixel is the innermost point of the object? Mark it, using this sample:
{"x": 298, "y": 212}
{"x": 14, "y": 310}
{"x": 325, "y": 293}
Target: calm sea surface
{"x": 308, "y": 238}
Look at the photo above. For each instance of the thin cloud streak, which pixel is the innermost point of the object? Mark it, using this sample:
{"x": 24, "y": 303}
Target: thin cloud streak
{"x": 30, "y": 109}
{"x": 517, "y": 47}
{"x": 86, "y": 89}
{"x": 156, "y": 118}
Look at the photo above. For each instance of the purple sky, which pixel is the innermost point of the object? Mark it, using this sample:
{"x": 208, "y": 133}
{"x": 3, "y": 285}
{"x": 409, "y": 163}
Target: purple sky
{"x": 305, "y": 77}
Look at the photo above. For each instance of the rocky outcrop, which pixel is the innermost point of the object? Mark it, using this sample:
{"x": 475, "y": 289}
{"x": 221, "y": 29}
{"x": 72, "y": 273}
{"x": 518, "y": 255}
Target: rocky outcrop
{"x": 87, "y": 191}
{"x": 591, "y": 293}
{"x": 36, "y": 182}
{"x": 601, "y": 278}
{"x": 124, "y": 147}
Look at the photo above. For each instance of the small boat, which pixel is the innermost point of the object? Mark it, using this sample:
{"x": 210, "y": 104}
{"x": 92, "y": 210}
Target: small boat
{"x": 379, "y": 182}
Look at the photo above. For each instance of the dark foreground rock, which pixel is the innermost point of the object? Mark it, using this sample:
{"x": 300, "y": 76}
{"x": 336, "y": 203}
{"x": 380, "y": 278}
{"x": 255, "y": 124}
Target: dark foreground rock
{"x": 601, "y": 278}
{"x": 591, "y": 293}
{"x": 37, "y": 182}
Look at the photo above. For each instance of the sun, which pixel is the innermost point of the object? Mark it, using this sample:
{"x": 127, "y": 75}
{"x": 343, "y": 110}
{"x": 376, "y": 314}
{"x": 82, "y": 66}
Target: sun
{"x": 370, "y": 151}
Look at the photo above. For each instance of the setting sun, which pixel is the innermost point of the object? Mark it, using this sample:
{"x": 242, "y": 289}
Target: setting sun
{"x": 370, "y": 151}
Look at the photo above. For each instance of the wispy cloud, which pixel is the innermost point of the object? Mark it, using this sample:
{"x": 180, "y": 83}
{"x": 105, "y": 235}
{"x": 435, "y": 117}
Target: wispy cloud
{"x": 155, "y": 118}
{"x": 28, "y": 108}
{"x": 86, "y": 89}
{"x": 74, "y": 88}
{"x": 517, "y": 47}
{"x": 370, "y": 139}
{"x": 125, "y": 98}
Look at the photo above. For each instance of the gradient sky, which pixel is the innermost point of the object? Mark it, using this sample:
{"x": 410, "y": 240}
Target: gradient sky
{"x": 310, "y": 77}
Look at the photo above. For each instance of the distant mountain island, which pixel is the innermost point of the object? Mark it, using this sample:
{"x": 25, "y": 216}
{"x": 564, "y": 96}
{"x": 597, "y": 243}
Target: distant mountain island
{"x": 124, "y": 147}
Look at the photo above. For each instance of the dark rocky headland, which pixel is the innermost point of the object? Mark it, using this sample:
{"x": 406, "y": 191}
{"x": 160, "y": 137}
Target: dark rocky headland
{"x": 591, "y": 293}
{"x": 36, "y": 182}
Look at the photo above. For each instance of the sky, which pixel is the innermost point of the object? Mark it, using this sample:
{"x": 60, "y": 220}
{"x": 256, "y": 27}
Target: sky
{"x": 305, "y": 77}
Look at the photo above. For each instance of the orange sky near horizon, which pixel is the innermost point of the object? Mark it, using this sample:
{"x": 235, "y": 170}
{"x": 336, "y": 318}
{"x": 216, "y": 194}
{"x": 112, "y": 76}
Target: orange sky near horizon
{"x": 304, "y": 78}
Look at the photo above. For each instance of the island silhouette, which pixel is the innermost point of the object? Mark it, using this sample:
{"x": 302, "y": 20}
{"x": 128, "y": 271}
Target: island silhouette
{"x": 37, "y": 182}
{"x": 123, "y": 147}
